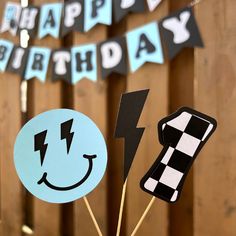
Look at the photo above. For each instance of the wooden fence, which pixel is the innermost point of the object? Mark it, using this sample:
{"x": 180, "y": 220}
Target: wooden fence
{"x": 201, "y": 78}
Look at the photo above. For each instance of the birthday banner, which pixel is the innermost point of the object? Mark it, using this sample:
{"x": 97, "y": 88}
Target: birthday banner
{"x": 143, "y": 44}
{"x": 58, "y": 19}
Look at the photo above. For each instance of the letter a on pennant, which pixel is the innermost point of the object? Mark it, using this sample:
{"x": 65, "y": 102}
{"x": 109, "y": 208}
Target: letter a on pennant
{"x": 50, "y": 19}
{"x": 144, "y": 45}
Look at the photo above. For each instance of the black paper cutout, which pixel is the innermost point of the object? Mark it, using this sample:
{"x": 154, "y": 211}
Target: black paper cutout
{"x": 78, "y": 21}
{"x": 32, "y": 31}
{"x": 131, "y": 107}
{"x": 192, "y": 28}
{"x": 183, "y": 134}
{"x": 18, "y": 60}
{"x": 62, "y": 63}
{"x": 121, "y": 66}
{"x": 119, "y": 12}
{"x": 40, "y": 145}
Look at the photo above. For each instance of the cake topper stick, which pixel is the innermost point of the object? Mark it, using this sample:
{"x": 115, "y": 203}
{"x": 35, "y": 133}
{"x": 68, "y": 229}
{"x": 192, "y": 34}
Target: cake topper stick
{"x": 121, "y": 208}
{"x": 92, "y": 216}
{"x": 143, "y": 216}
{"x": 131, "y": 106}
{"x": 182, "y": 134}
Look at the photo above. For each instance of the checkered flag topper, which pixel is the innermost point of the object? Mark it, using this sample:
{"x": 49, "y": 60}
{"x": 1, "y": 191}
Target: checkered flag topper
{"x": 182, "y": 134}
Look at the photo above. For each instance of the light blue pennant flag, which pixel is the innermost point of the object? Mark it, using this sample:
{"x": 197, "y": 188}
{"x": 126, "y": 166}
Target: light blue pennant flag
{"x": 6, "y": 48}
{"x": 97, "y": 11}
{"x": 144, "y": 45}
{"x": 50, "y": 19}
{"x": 37, "y": 64}
{"x": 84, "y": 63}
{"x": 11, "y": 17}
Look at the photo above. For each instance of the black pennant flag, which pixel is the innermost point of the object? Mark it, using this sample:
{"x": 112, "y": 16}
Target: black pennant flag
{"x": 180, "y": 30}
{"x": 73, "y": 17}
{"x": 29, "y": 20}
{"x": 131, "y": 107}
{"x": 61, "y": 65}
{"x": 18, "y": 60}
{"x": 123, "y": 7}
{"x": 113, "y": 56}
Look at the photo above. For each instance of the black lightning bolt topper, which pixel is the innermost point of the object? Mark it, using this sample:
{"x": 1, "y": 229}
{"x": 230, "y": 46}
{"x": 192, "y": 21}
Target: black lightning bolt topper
{"x": 131, "y": 106}
{"x": 66, "y": 133}
{"x": 40, "y": 145}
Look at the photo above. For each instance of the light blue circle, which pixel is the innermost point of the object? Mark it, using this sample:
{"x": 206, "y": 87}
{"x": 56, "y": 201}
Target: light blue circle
{"x": 63, "y": 169}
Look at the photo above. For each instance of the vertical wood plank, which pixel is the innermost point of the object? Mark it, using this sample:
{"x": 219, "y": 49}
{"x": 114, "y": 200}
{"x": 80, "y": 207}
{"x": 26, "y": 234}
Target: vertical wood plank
{"x": 155, "y": 77}
{"x": 10, "y": 123}
{"x": 43, "y": 97}
{"x": 215, "y": 94}
{"x": 11, "y": 215}
{"x": 116, "y": 86}
{"x": 90, "y": 99}
{"x": 181, "y": 94}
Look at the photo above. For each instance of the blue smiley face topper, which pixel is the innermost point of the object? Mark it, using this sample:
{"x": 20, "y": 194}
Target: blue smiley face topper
{"x": 60, "y": 155}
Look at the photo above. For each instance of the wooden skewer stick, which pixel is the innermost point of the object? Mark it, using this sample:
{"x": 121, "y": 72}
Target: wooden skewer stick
{"x": 92, "y": 216}
{"x": 143, "y": 216}
{"x": 121, "y": 208}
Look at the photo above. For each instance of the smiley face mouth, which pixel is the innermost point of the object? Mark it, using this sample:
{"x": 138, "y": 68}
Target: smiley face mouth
{"x": 47, "y": 183}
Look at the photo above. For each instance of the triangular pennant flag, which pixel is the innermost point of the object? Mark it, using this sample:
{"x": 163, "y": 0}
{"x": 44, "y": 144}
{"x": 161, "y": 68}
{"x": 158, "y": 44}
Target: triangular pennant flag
{"x": 61, "y": 65}
{"x": 18, "y": 60}
{"x": 131, "y": 107}
{"x": 97, "y": 11}
{"x": 84, "y": 63}
{"x": 29, "y": 20}
{"x": 11, "y": 17}
{"x": 183, "y": 135}
{"x": 37, "y": 64}
{"x": 112, "y": 54}
{"x": 6, "y": 48}
{"x": 180, "y": 30}
{"x": 144, "y": 45}
{"x": 122, "y": 7}
{"x": 73, "y": 16}
{"x": 152, "y": 4}
{"x": 50, "y": 19}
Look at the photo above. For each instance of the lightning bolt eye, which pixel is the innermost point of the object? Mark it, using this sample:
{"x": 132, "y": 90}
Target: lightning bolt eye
{"x": 66, "y": 134}
{"x": 40, "y": 145}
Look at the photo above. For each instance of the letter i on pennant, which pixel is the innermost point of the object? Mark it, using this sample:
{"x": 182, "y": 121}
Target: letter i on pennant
{"x": 17, "y": 61}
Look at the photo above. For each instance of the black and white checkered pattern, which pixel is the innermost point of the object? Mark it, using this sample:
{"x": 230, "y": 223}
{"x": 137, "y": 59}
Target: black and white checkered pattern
{"x": 183, "y": 135}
